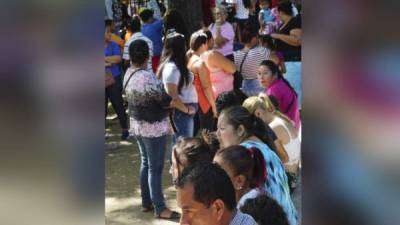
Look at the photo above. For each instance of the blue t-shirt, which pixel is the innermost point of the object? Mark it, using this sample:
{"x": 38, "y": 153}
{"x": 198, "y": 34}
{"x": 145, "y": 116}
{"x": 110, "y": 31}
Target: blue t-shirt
{"x": 110, "y": 50}
{"x": 154, "y": 32}
{"x": 267, "y": 15}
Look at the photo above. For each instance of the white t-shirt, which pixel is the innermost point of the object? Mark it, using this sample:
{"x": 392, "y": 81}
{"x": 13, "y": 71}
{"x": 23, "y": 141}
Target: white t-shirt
{"x": 171, "y": 75}
{"x": 134, "y": 37}
{"x": 241, "y": 11}
{"x": 253, "y": 193}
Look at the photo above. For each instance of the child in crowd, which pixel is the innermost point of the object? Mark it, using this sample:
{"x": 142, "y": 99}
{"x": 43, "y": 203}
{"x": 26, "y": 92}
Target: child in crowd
{"x": 266, "y": 19}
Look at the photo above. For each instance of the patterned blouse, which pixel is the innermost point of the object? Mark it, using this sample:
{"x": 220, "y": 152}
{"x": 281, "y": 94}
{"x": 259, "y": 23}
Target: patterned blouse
{"x": 147, "y": 104}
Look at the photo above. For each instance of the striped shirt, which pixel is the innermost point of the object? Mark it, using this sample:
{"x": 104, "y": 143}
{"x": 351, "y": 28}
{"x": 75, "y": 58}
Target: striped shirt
{"x": 134, "y": 37}
{"x": 252, "y": 61}
{"x": 242, "y": 219}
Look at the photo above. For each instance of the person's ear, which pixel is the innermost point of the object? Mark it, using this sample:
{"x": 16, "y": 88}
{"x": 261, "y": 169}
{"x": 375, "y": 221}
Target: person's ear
{"x": 219, "y": 209}
{"x": 241, "y": 131}
{"x": 257, "y": 113}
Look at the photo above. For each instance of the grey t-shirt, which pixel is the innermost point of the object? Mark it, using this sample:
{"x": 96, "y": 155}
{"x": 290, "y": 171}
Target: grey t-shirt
{"x": 171, "y": 75}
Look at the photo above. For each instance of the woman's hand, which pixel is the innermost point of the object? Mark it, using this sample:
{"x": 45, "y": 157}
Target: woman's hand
{"x": 191, "y": 110}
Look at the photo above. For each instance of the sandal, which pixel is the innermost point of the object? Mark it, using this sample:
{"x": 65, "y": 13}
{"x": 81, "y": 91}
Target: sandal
{"x": 173, "y": 216}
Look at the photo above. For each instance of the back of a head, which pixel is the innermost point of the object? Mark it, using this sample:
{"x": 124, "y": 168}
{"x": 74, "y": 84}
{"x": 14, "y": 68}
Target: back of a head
{"x": 190, "y": 150}
{"x": 138, "y": 52}
{"x": 210, "y": 182}
{"x": 134, "y": 24}
{"x": 285, "y": 7}
{"x": 265, "y": 211}
{"x": 268, "y": 42}
{"x": 146, "y": 14}
{"x": 197, "y": 39}
{"x": 228, "y": 99}
{"x": 247, "y": 162}
{"x": 248, "y": 33}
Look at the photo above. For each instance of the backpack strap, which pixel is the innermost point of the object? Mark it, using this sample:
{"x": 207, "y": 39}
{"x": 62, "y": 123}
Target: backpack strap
{"x": 244, "y": 58}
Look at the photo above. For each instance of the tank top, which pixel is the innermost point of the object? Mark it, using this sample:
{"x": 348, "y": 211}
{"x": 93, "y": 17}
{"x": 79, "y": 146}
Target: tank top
{"x": 220, "y": 80}
{"x": 203, "y": 102}
{"x": 293, "y": 149}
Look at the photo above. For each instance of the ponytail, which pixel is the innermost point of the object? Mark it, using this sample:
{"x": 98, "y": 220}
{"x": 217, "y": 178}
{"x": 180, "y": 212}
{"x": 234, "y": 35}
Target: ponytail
{"x": 259, "y": 168}
{"x": 259, "y": 130}
{"x": 247, "y": 162}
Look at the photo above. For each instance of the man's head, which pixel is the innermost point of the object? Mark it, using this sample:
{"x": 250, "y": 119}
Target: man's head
{"x": 206, "y": 195}
{"x": 146, "y": 15}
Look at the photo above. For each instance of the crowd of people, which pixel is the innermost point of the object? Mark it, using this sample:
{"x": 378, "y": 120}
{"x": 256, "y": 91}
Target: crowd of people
{"x": 228, "y": 93}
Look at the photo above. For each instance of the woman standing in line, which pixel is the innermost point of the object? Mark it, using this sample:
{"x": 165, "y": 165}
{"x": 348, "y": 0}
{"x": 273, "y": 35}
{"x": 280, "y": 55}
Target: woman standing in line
{"x": 149, "y": 122}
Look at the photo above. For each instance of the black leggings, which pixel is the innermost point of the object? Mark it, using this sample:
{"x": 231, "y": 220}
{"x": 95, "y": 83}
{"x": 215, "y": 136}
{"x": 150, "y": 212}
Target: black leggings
{"x": 114, "y": 93}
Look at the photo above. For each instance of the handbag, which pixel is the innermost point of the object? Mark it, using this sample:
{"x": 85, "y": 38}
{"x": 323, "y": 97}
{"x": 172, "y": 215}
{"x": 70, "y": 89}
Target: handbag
{"x": 109, "y": 79}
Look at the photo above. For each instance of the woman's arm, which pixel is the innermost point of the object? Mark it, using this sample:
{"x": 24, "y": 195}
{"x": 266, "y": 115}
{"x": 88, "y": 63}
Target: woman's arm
{"x": 219, "y": 39}
{"x": 172, "y": 90}
{"x": 218, "y": 60}
{"x": 114, "y": 59}
{"x": 206, "y": 85}
{"x": 294, "y": 37}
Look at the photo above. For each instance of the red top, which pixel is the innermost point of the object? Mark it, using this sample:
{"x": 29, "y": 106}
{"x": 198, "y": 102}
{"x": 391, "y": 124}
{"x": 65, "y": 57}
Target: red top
{"x": 203, "y": 102}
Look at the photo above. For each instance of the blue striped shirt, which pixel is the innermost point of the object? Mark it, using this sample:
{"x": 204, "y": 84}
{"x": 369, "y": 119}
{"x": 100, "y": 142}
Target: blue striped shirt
{"x": 242, "y": 219}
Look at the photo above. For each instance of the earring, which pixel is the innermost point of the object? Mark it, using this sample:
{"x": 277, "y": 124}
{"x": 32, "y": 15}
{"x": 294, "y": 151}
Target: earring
{"x": 239, "y": 188}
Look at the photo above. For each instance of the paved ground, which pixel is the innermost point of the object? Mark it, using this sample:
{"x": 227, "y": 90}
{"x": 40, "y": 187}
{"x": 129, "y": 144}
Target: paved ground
{"x": 122, "y": 197}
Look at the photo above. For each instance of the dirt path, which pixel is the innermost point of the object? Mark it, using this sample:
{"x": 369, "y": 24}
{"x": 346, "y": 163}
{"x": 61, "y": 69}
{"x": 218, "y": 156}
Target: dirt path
{"x": 122, "y": 163}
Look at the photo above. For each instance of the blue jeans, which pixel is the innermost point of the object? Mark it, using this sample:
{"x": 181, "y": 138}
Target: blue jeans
{"x": 152, "y": 152}
{"x": 251, "y": 87}
{"x": 184, "y": 123}
{"x": 293, "y": 75}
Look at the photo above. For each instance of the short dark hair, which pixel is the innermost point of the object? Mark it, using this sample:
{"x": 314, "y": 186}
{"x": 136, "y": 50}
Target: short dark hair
{"x": 229, "y": 98}
{"x": 267, "y": 39}
{"x": 265, "y": 211}
{"x": 138, "y": 52}
{"x": 248, "y": 33}
{"x": 285, "y": 7}
{"x": 134, "y": 24}
{"x": 210, "y": 182}
{"x": 146, "y": 14}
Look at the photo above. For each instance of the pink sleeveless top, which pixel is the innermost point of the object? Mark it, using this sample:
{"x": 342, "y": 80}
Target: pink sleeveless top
{"x": 220, "y": 80}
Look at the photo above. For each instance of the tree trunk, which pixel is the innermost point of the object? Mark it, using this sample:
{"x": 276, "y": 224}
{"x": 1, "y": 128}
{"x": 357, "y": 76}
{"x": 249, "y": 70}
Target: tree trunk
{"x": 191, "y": 11}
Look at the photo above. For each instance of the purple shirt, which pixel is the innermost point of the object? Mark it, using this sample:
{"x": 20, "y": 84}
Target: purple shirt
{"x": 226, "y": 32}
{"x": 285, "y": 96}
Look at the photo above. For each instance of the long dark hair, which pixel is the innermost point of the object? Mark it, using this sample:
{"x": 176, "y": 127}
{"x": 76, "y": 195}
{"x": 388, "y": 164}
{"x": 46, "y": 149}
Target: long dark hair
{"x": 174, "y": 51}
{"x": 248, "y": 162}
{"x": 275, "y": 70}
{"x": 238, "y": 115}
